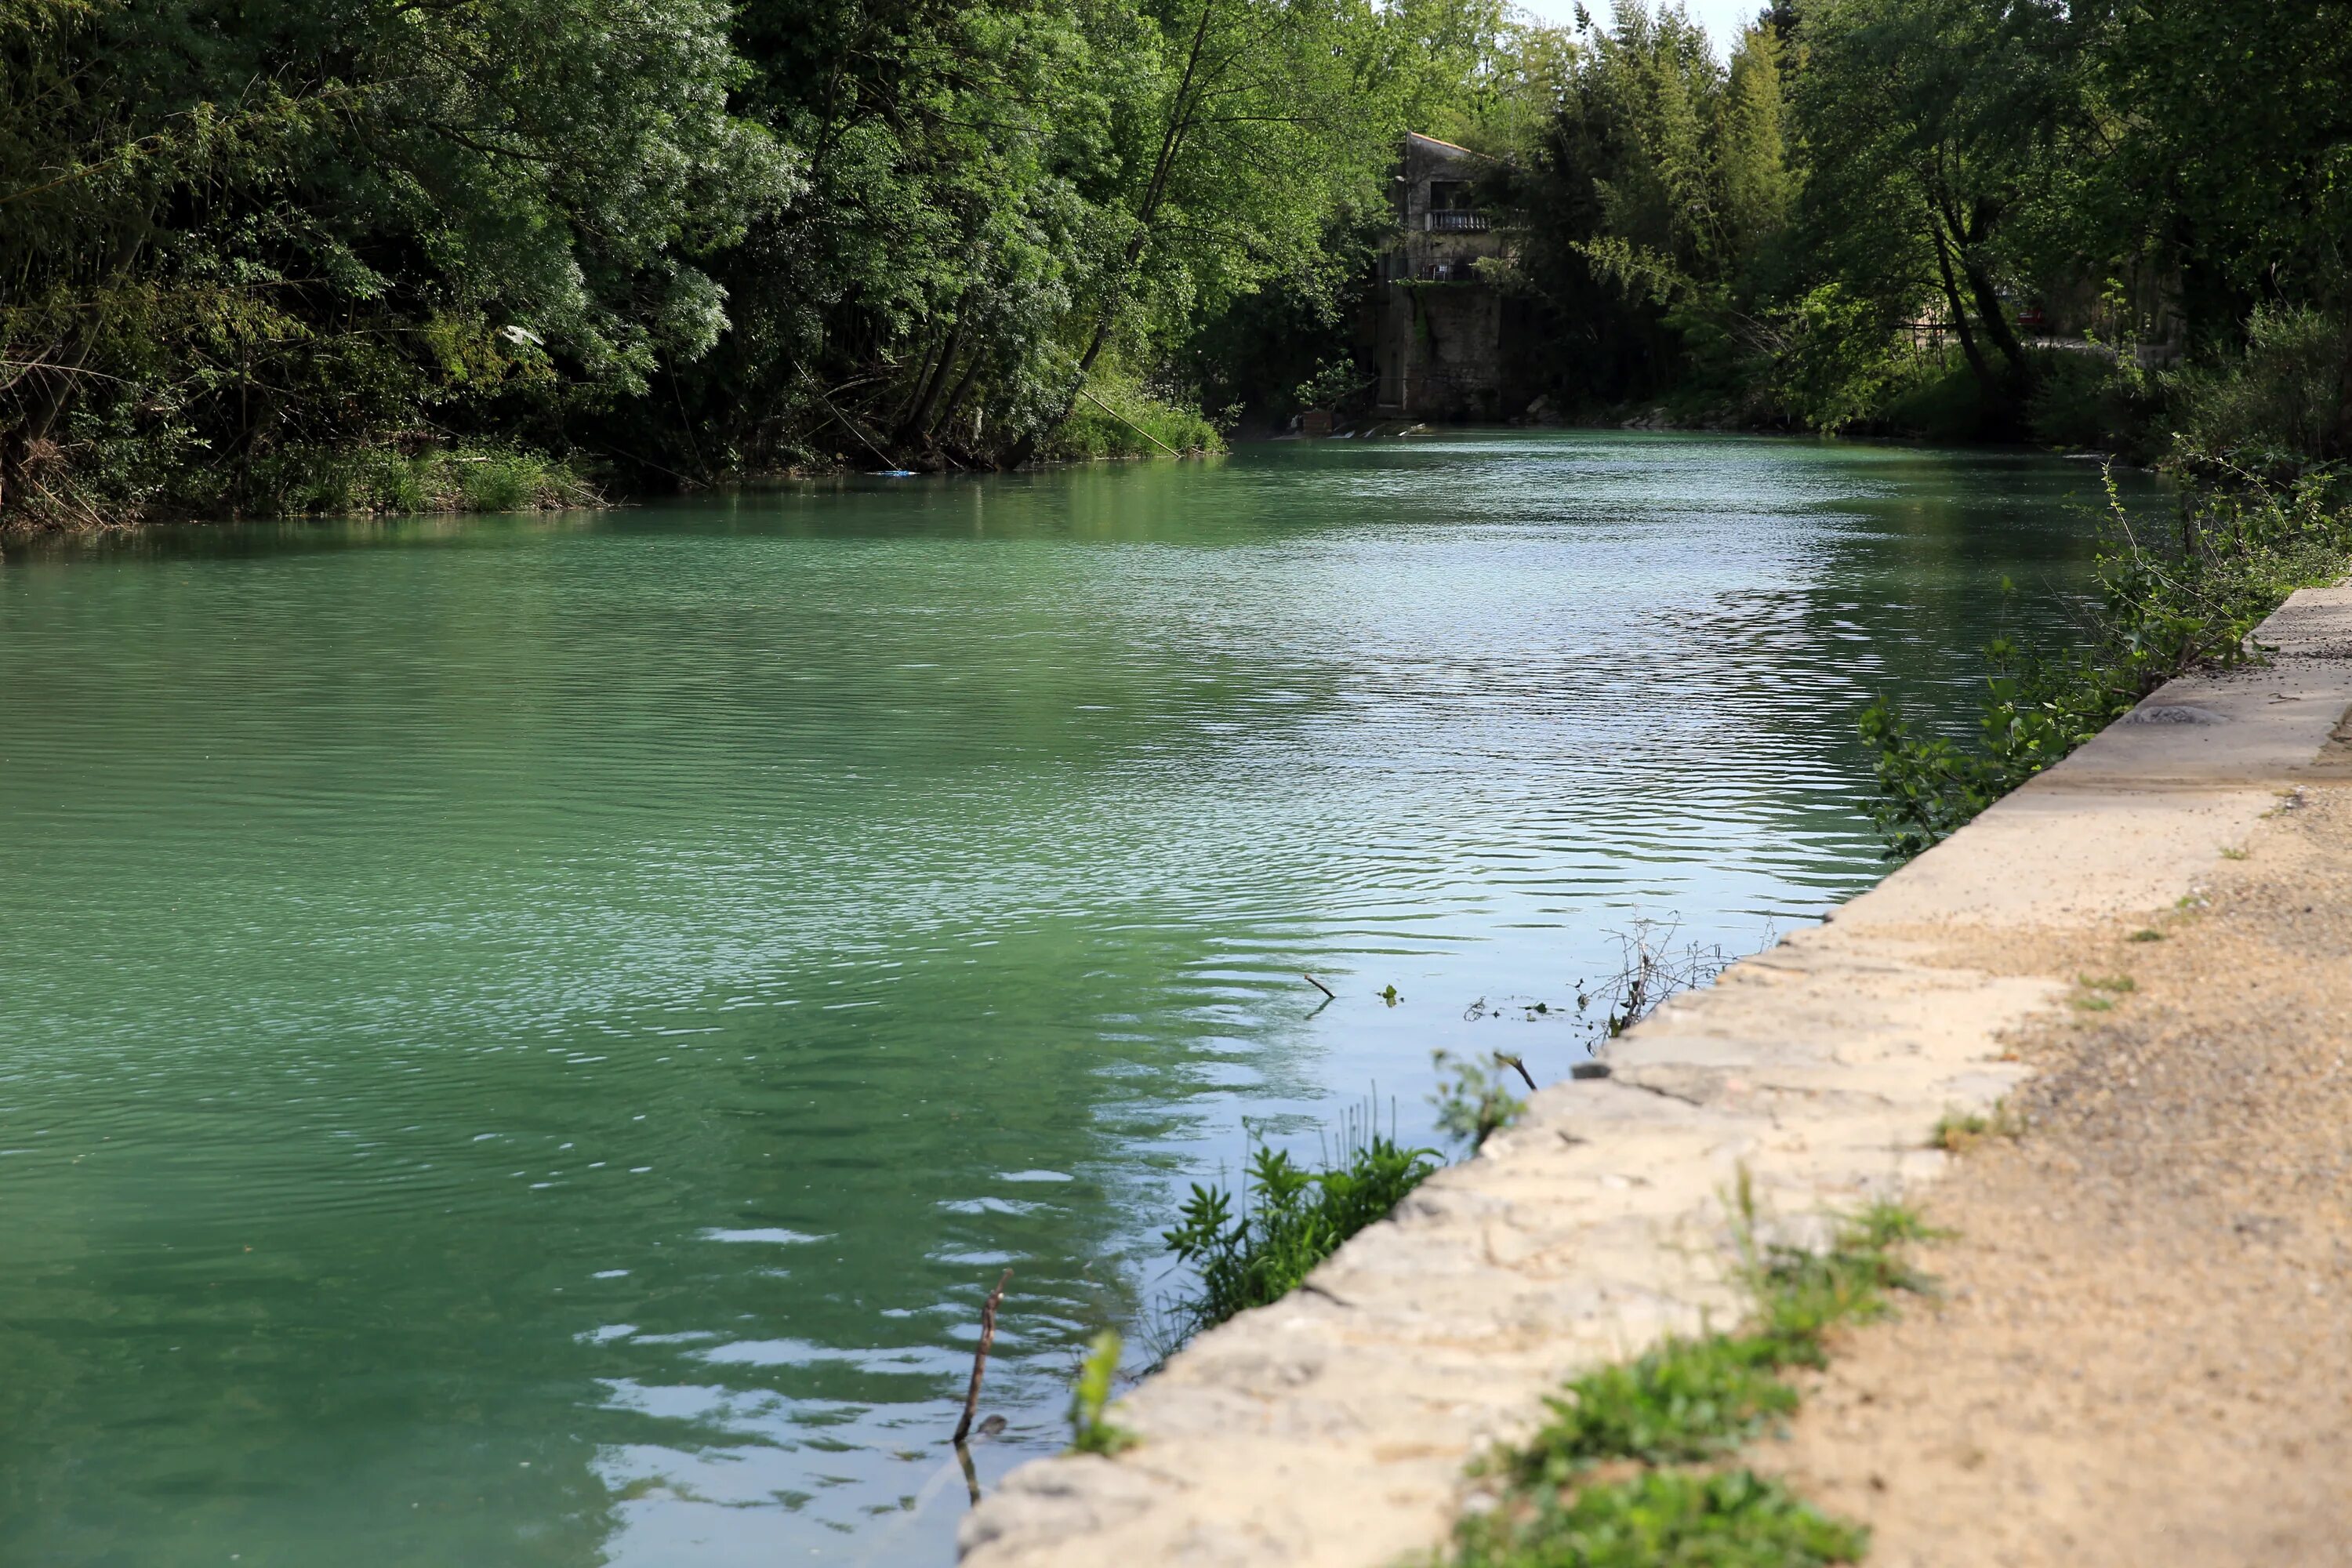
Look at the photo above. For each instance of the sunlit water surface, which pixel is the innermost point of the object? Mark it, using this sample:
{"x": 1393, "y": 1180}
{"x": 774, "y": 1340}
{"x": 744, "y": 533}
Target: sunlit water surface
{"x": 526, "y": 1040}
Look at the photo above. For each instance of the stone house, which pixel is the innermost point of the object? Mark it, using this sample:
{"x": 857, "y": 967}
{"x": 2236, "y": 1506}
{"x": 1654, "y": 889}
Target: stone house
{"x": 1437, "y": 327}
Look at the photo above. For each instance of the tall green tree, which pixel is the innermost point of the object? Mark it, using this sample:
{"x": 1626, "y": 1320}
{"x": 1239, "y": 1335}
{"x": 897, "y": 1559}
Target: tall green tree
{"x": 1928, "y": 126}
{"x": 234, "y": 231}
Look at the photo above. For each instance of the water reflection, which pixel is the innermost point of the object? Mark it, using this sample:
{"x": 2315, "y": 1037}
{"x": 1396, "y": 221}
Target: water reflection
{"x": 529, "y": 1039}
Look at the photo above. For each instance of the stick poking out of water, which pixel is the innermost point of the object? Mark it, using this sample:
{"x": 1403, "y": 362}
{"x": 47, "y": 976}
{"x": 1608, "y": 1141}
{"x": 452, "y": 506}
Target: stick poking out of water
{"x": 1516, "y": 1062}
{"x": 980, "y": 1357}
{"x": 1318, "y": 985}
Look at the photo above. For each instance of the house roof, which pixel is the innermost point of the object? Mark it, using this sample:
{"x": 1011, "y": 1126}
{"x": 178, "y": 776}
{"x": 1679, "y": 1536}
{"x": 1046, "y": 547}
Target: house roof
{"x": 1449, "y": 146}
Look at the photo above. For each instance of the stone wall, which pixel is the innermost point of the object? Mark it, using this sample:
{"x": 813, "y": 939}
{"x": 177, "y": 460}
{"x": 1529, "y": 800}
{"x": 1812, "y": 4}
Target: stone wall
{"x": 1332, "y": 1427}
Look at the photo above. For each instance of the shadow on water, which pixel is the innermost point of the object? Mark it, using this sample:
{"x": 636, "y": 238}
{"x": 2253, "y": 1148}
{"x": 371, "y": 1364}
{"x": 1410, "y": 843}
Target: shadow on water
{"x": 529, "y": 1038}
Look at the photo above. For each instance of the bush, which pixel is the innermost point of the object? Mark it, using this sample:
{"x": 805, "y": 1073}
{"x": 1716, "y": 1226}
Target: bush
{"x": 325, "y": 482}
{"x": 1291, "y": 1219}
{"x": 1120, "y": 419}
{"x": 2283, "y": 405}
{"x": 1942, "y": 400}
{"x": 1474, "y": 1099}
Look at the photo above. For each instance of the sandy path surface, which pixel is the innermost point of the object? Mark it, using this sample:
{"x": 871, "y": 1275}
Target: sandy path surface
{"x": 2143, "y": 1353}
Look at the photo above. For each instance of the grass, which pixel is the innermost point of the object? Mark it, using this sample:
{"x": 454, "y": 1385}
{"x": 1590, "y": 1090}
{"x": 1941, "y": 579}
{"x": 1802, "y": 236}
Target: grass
{"x": 1559, "y": 1503}
{"x": 1686, "y": 1400}
{"x": 2098, "y": 993}
{"x": 1958, "y": 1131}
{"x": 1090, "y": 1432}
{"x": 1665, "y": 1520}
{"x": 325, "y": 481}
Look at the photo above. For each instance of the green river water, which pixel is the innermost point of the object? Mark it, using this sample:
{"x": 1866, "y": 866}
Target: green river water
{"x": 525, "y": 1040}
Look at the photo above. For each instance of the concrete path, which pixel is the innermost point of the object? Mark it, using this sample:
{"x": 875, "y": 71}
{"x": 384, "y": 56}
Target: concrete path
{"x": 2143, "y": 1353}
{"x": 1332, "y": 1428}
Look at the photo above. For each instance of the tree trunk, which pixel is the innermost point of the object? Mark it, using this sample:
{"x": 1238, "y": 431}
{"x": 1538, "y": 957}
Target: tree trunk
{"x": 955, "y": 399}
{"x": 920, "y": 417}
{"x": 1959, "y": 311}
{"x": 1172, "y": 143}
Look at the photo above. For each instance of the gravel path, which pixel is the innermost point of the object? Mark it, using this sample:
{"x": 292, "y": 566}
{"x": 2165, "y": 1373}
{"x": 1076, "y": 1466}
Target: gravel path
{"x": 2143, "y": 1353}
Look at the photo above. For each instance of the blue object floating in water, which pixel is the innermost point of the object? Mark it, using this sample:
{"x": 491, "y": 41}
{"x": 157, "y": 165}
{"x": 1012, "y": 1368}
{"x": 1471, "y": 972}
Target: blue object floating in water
{"x": 894, "y": 473}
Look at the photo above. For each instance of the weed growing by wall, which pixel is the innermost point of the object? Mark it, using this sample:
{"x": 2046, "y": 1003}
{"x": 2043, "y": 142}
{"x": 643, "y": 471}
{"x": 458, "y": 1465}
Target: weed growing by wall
{"x": 1090, "y": 1431}
{"x": 1290, "y": 1219}
{"x": 1630, "y": 1471}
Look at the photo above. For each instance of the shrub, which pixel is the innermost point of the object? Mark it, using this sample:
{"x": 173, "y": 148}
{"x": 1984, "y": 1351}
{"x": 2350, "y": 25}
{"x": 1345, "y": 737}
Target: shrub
{"x": 1474, "y": 1099}
{"x": 1291, "y": 1219}
{"x": 318, "y": 481}
{"x": 1942, "y": 400}
{"x": 1120, "y": 419}
{"x": 2283, "y": 405}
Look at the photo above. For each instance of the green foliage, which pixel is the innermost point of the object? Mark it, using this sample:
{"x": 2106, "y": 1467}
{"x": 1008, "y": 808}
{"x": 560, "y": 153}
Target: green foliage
{"x": 678, "y": 241}
{"x": 2088, "y": 401}
{"x": 1932, "y": 127}
{"x": 1941, "y": 398}
{"x": 1290, "y": 1219}
{"x": 2282, "y": 405}
{"x": 1688, "y": 1402}
{"x": 239, "y": 233}
{"x": 697, "y": 240}
{"x": 1685, "y": 1401}
{"x": 1474, "y": 1099}
{"x": 1090, "y": 1432}
{"x": 1843, "y": 228}
{"x": 1839, "y": 365}
{"x": 316, "y": 481}
{"x": 2229, "y": 142}
{"x": 1649, "y": 212}
{"x": 1335, "y": 382}
{"x": 1117, "y": 419}
{"x": 1928, "y": 786}
{"x": 1663, "y": 1519}
{"x": 1802, "y": 1294}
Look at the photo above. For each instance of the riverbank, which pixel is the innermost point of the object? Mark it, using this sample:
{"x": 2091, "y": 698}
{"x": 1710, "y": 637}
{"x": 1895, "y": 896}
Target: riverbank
{"x": 1332, "y": 1428}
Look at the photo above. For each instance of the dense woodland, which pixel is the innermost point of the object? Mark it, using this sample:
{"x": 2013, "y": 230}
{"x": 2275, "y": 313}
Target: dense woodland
{"x": 274, "y": 257}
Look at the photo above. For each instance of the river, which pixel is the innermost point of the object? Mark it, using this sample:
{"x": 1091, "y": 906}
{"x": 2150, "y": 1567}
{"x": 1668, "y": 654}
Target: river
{"x": 525, "y": 1040}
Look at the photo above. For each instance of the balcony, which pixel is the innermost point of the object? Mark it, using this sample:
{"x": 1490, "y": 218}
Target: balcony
{"x": 1458, "y": 222}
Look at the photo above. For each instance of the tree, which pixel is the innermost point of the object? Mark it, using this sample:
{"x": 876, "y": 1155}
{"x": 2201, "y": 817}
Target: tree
{"x": 1265, "y": 120}
{"x": 237, "y": 231}
{"x": 1928, "y": 125}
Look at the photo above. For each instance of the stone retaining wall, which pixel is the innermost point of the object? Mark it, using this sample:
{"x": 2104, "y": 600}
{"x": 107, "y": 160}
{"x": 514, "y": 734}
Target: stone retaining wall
{"x": 1332, "y": 1427}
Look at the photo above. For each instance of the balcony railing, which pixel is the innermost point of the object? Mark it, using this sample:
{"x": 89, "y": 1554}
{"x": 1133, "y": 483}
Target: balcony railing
{"x": 1459, "y": 223}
